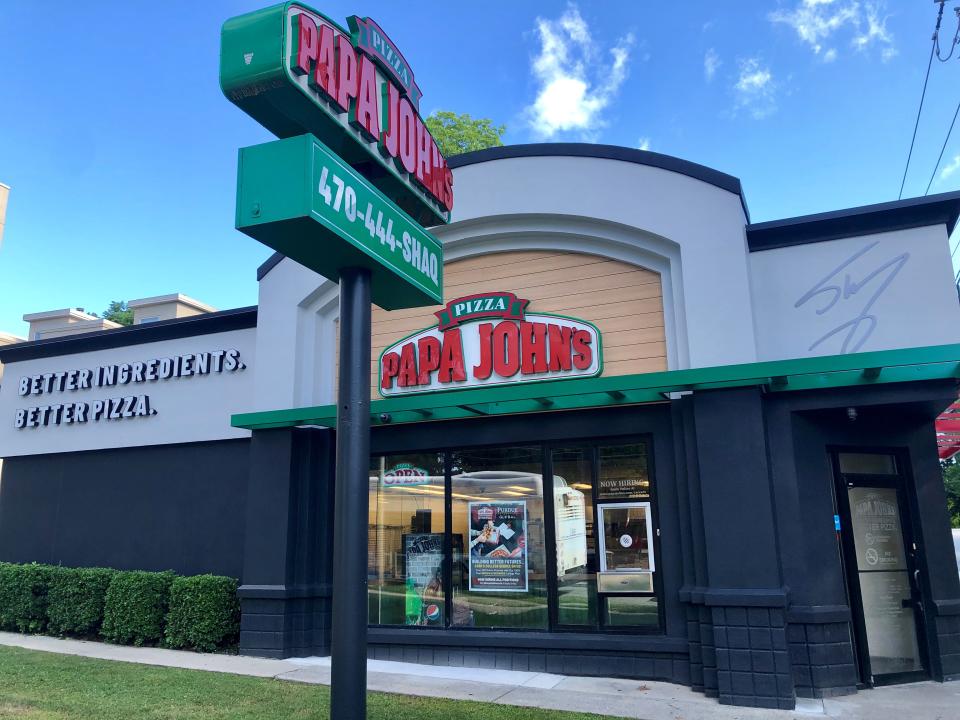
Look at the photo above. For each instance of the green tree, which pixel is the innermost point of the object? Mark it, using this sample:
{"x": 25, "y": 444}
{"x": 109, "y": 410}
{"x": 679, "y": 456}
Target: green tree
{"x": 951, "y": 481}
{"x": 457, "y": 134}
{"x": 118, "y": 312}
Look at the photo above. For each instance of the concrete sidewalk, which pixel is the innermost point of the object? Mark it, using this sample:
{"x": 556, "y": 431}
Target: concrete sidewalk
{"x": 648, "y": 700}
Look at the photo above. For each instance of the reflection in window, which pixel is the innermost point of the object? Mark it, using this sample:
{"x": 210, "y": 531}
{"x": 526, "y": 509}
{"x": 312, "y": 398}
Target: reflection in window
{"x": 576, "y": 547}
{"x": 632, "y": 611}
{"x": 625, "y": 540}
{"x": 623, "y": 472}
{"x": 405, "y": 556}
{"x": 499, "y": 575}
{"x": 496, "y": 574}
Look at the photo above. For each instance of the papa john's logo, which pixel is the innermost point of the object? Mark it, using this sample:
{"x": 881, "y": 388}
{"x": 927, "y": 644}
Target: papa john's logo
{"x": 490, "y": 339}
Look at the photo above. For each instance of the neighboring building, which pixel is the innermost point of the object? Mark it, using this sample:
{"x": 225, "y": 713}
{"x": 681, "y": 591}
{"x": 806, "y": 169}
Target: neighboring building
{"x": 75, "y": 321}
{"x": 644, "y": 437}
{"x": 166, "y": 307}
{"x": 68, "y": 321}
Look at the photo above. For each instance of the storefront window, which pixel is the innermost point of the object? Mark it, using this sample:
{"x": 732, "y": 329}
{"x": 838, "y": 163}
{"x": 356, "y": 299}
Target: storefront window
{"x": 625, "y": 533}
{"x": 623, "y": 472}
{"x": 488, "y": 568}
{"x": 576, "y": 545}
{"x": 626, "y": 541}
{"x": 499, "y": 576}
{"x": 406, "y": 540}
{"x": 632, "y": 612}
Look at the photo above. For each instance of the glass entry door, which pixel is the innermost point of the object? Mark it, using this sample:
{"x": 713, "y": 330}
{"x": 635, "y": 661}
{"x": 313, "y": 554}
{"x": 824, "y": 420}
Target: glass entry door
{"x": 879, "y": 555}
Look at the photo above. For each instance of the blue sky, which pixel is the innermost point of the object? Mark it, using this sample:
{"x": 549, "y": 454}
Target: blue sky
{"x": 121, "y": 150}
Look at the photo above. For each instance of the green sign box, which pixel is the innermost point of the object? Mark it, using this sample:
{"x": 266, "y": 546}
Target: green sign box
{"x": 259, "y": 74}
{"x": 299, "y": 198}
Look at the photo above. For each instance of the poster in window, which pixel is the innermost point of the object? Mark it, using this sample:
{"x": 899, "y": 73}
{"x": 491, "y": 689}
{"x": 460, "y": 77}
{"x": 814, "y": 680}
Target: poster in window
{"x": 423, "y": 594}
{"x": 498, "y": 546}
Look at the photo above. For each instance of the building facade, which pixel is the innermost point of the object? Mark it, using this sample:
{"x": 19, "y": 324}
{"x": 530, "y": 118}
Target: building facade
{"x": 644, "y": 437}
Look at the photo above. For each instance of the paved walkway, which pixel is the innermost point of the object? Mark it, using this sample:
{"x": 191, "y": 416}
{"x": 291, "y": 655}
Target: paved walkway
{"x": 623, "y": 698}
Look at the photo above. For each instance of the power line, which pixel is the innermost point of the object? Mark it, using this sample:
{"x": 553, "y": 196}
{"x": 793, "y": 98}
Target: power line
{"x": 956, "y": 35}
{"x": 945, "y": 141}
{"x": 933, "y": 49}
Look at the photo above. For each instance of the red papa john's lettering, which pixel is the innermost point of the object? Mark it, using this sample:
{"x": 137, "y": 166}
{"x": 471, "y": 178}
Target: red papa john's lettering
{"x": 506, "y": 349}
{"x": 348, "y": 81}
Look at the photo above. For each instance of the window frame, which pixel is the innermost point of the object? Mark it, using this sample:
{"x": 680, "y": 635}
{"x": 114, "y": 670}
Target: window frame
{"x": 592, "y": 447}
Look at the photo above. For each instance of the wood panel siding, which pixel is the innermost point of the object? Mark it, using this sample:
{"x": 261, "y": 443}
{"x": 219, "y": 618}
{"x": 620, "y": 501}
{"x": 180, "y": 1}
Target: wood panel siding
{"x": 624, "y": 301}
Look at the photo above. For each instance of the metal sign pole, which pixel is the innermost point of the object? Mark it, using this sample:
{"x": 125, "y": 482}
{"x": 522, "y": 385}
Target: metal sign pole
{"x": 348, "y": 682}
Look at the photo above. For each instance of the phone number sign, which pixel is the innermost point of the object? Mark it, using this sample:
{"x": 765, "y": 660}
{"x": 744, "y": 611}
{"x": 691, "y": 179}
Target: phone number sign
{"x": 299, "y": 198}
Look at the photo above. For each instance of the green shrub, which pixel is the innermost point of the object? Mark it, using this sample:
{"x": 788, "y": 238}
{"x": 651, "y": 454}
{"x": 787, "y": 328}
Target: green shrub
{"x": 135, "y": 606}
{"x": 23, "y": 596}
{"x": 204, "y": 613}
{"x": 75, "y": 600}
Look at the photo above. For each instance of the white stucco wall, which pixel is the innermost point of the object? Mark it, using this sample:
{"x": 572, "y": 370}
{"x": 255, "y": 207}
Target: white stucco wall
{"x": 188, "y": 409}
{"x": 872, "y": 292}
{"x": 695, "y": 226}
{"x": 689, "y": 231}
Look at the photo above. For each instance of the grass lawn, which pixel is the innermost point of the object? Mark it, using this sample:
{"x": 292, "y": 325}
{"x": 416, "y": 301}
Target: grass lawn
{"x": 46, "y": 686}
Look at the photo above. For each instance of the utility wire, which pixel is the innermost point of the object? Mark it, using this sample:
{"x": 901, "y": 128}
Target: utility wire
{"x": 945, "y": 141}
{"x": 933, "y": 49}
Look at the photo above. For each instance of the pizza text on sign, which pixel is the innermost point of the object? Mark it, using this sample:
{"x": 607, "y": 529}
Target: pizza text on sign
{"x": 490, "y": 339}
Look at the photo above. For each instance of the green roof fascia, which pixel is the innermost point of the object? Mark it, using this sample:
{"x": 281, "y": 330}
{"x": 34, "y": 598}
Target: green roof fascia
{"x": 937, "y": 362}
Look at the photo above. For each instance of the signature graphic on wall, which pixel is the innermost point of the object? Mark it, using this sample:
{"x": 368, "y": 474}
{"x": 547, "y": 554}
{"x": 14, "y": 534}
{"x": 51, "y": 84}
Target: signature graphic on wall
{"x": 845, "y": 287}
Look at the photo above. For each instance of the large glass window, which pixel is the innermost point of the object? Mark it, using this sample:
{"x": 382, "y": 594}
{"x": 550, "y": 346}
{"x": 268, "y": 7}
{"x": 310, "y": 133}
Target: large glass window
{"x": 576, "y": 544}
{"x": 406, "y": 540}
{"x": 499, "y": 573}
{"x": 459, "y": 538}
{"x": 626, "y": 532}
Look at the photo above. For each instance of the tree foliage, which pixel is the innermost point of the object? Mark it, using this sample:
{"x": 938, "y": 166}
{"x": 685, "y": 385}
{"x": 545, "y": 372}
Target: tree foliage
{"x": 457, "y": 134}
{"x": 118, "y": 312}
{"x": 951, "y": 482}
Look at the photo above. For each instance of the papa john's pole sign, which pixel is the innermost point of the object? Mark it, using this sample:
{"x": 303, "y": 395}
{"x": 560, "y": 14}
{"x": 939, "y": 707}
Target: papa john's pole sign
{"x": 296, "y": 71}
{"x": 490, "y": 339}
{"x": 356, "y": 173}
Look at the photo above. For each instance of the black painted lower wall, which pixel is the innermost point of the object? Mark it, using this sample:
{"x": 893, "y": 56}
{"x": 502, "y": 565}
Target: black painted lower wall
{"x": 669, "y": 667}
{"x": 163, "y": 507}
{"x": 822, "y": 658}
{"x": 285, "y": 595}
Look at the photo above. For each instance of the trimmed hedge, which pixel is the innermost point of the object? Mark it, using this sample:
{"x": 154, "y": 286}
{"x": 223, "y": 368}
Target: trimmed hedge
{"x": 135, "y": 607}
{"x": 125, "y": 607}
{"x": 23, "y": 596}
{"x": 204, "y": 613}
{"x": 75, "y": 600}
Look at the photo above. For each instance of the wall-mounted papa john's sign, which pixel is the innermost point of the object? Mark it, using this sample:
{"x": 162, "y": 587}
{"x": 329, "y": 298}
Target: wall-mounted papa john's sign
{"x": 296, "y": 71}
{"x": 490, "y": 339}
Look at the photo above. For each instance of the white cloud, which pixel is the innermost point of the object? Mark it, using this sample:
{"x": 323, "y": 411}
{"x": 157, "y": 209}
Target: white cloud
{"x": 874, "y": 32}
{"x": 711, "y": 63}
{"x": 819, "y": 22}
{"x": 755, "y": 89}
{"x": 950, "y": 168}
{"x": 644, "y": 144}
{"x": 576, "y": 81}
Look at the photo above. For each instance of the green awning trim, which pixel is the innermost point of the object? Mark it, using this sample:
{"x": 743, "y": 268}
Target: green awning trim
{"x": 937, "y": 362}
